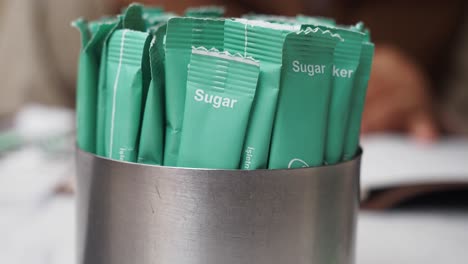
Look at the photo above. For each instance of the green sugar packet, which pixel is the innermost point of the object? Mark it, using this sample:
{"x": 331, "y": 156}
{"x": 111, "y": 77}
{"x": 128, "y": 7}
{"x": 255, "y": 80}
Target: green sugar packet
{"x": 271, "y": 18}
{"x": 359, "y": 26}
{"x": 183, "y": 33}
{"x": 264, "y": 42}
{"x": 149, "y": 11}
{"x": 367, "y": 34}
{"x": 128, "y": 77}
{"x": 220, "y": 91}
{"x": 102, "y": 94}
{"x": 132, "y": 19}
{"x": 95, "y": 25}
{"x": 152, "y": 130}
{"x": 357, "y": 101}
{"x": 301, "y": 121}
{"x": 293, "y": 20}
{"x": 155, "y": 21}
{"x": 345, "y": 64}
{"x": 315, "y": 20}
{"x": 92, "y": 39}
{"x": 150, "y": 14}
{"x": 205, "y": 12}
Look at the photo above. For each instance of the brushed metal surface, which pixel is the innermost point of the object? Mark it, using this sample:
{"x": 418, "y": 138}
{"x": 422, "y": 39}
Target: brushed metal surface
{"x": 139, "y": 214}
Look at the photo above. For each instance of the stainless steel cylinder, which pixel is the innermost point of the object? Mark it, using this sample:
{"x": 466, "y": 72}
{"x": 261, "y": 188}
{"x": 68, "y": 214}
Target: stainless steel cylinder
{"x": 138, "y": 214}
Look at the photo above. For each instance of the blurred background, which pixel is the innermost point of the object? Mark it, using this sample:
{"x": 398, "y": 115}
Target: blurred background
{"x": 415, "y": 126}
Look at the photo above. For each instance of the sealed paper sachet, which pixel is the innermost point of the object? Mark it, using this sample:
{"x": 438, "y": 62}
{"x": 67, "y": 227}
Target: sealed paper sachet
{"x": 152, "y": 11}
{"x": 127, "y": 82}
{"x": 88, "y": 78}
{"x": 264, "y": 42}
{"x": 293, "y": 20}
{"x": 345, "y": 63}
{"x": 306, "y": 81}
{"x": 102, "y": 94}
{"x": 182, "y": 34}
{"x": 153, "y": 15}
{"x": 290, "y": 20}
{"x": 314, "y": 20}
{"x": 151, "y": 144}
{"x": 155, "y": 21}
{"x": 132, "y": 18}
{"x": 95, "y": 25}
{"x": 220, "y": 92}
{"x": 351, "y": 142}
{"x": 205, "y": 12}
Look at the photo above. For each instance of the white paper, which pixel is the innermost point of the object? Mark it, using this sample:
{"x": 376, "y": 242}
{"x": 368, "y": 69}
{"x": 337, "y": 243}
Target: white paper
{"x": 391, "y": 160}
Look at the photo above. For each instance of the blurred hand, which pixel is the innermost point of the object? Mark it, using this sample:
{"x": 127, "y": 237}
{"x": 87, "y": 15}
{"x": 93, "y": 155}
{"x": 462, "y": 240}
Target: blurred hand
{"x": 398, "y": 98}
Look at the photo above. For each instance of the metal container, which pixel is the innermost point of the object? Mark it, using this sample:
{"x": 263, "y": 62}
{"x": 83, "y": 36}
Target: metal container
{"x": 139, "y": 214}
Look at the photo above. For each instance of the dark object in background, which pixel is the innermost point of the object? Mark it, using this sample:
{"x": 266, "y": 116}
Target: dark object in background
{"x": 435, "y": 195}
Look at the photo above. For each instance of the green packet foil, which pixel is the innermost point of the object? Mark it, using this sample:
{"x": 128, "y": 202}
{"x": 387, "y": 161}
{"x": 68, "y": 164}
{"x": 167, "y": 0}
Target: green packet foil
{"x": 205, "y": 12}
{"x": 155, "y": 21}
{"x": 132, "y": 19}
{"x": 102, "y": 93}
{"x": 87, "y": 83}
{"x": 315, "y": 20}
{"x": 182, "y": 34}
{"x": 301, "y": 121}
{"x": 220, "y": 92}
{"x": 149, "y": 11}
{"x": 271, "y": 18}
{"x": 128, "y": 77}
{"x": 95, "y": 25}
{"x": 152, "y": 129}
{"x": 293, "y": 20}
{"x": 264, "y": 42}
{"x": 345, "y": 63}
{"x": 357, "y": 101}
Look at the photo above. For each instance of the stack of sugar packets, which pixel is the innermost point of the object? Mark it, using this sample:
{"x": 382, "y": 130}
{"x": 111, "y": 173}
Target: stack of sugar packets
{"x": 202, "y": 91}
